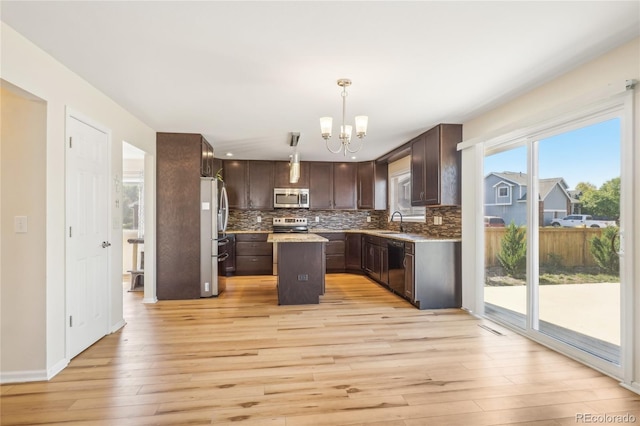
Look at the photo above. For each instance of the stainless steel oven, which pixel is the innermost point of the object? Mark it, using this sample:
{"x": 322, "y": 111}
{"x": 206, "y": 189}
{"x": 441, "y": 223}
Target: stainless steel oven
{"x": 291, "y": 198}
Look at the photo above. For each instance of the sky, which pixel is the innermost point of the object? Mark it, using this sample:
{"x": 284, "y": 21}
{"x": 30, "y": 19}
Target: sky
{"x": 589, "y": 154}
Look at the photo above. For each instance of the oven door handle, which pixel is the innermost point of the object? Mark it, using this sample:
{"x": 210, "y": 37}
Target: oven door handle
{"x": 222, "y": 257}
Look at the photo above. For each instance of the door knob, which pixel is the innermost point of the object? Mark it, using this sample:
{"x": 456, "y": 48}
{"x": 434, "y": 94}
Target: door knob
{"x": 105, "y": 244}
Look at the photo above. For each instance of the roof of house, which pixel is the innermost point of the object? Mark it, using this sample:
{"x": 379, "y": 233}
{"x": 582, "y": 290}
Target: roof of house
{"x": 546, "y": 185}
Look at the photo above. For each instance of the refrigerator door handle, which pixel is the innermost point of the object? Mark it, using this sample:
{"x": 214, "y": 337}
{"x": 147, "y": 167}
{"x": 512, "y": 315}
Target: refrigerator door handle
{"x": 222, "y": 257}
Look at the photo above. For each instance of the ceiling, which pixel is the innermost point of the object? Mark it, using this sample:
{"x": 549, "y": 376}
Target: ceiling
{"x": 245, "y": 74}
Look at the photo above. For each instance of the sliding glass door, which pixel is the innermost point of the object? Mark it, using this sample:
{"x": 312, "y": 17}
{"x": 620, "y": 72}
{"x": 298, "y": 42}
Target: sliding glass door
{"x": 552, "y": 216}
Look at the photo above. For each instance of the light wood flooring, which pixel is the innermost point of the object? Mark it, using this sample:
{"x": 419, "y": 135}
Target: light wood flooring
{"x": 361, "y": 357}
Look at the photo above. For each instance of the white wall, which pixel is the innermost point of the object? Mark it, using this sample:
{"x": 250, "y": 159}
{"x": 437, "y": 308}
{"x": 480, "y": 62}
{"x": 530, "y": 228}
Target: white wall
{"x": 29, "y": 68}
{"x": 23, "y": 258}
{"x": 587, "y": 82}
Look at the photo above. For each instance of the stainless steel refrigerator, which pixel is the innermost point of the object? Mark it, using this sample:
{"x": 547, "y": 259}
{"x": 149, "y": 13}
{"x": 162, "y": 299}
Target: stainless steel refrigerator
{"x": 213, "y": 217}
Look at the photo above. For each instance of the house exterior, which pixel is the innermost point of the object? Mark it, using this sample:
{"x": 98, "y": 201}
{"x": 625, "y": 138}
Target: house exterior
{"x": 505, "y": 196}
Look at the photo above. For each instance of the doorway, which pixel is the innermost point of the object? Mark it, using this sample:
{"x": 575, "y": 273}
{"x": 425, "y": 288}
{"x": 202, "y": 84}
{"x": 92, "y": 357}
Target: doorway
{"x": 133, "y": 210}
{"x": 559, "y": 281}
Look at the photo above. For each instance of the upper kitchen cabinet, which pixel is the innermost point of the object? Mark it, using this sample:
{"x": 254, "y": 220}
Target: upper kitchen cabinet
{"x": 235, "y": 181}
{"x": 282, "y": 175}
{"x": 207, "y": 166}
{"x": 435, "y": 166}
{"x": 249, "y": 184}
{"x": 344, "y": 185}
{"x": 332, "y": 186}
{"x": 372, "y": 185}
{"x": 261, "y": 177}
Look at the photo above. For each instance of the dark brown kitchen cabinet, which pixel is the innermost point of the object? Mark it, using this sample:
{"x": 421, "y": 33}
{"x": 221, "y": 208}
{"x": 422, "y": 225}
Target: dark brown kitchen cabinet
{"x": 435, "y": 166}
{"x": 409, "y": 272}
{"x": 249, "y": 184}
{"x": 373, "y": 258}
{"x": 372, "y": 185}
{"x": 260, "y": 177}
{"x": 254, "y": 255}
{"x": 332, "y": 186}
{"x": 282, "y": 175}
{"x": 353, "y": 252}
{"x": 206, "y": 159}
{"x": 334, "y": 251}
{"x": 320, "y": 186}
{"x": 235, "y": 181}
{"x": 178, "y": 173}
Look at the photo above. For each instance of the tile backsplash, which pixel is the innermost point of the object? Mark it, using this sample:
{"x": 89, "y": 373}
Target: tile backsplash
{"x": 247, "y": 220}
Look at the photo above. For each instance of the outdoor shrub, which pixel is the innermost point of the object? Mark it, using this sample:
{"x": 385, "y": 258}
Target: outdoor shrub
{"x": 513, "y": 253}
{"x": 604, "y": 250}
{"x": 554, "y": 262}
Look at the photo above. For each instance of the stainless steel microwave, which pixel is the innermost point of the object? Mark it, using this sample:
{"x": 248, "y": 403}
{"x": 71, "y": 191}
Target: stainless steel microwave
{"x": 291, "y": 198}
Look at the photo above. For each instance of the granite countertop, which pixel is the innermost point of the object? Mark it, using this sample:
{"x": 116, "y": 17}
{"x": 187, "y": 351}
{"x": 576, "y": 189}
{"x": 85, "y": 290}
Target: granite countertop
{"x": 296, "y": 238}
{"x": 413, "y": 238}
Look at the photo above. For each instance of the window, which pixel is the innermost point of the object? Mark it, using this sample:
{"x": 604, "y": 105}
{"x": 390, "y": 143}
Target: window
{"x": 132, "y": 202}
{"x": 503, "y": 191}
{"x": 400, "y": 191}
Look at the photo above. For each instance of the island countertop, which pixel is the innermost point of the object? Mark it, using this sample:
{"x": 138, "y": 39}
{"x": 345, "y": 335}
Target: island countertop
{"x": 296, "y": 238}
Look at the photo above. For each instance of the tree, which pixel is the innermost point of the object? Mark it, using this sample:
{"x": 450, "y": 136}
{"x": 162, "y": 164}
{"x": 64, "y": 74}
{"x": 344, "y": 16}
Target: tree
{"x": 603, "y": 201}
{"x": 513, "y": 252}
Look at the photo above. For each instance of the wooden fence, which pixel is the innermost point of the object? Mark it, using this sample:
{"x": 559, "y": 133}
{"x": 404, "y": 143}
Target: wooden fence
{"x": 572, "y": 245}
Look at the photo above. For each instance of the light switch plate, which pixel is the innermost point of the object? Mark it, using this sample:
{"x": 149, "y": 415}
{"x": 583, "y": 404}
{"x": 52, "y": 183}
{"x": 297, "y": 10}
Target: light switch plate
{"x": 20, "y": 224}
{"x": 259, "y": 219}
{"x": 369, "y": 219}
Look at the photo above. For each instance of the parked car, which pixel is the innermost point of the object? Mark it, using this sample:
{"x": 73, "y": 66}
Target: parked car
{"x": 582, "y": 220}
{"x": 493, "y": 222}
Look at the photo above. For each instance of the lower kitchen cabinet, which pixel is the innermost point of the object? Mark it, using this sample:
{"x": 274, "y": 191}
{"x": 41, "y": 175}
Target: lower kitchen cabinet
{"x": 335, "y": 251}
{"x": 375, "y": 255}
{"x": 253, "y": 254}
{"x": 353, "y": 252}
{"x": 409, "y": 271}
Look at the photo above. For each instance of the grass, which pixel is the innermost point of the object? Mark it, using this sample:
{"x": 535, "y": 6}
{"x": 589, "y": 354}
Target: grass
{"x": 496, "y": 276}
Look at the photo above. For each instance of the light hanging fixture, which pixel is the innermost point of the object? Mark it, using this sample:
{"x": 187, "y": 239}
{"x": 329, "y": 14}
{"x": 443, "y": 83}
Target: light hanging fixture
{"x": 361, "y": 122}
{"x": 294, "y": 162}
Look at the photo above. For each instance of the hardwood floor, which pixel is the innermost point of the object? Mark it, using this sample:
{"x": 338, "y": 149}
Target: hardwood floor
{"x": 360, "y": 357}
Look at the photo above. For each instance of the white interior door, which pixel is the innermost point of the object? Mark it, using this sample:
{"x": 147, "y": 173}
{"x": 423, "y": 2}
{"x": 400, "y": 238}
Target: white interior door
{"x": 87, "y": 235}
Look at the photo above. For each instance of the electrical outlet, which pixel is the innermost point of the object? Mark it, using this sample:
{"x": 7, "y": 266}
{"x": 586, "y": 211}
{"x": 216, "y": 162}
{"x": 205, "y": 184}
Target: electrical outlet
{"x": 317, "y": 218}
{"x": 303, "y": 277}
{"x": 20, "y": 224}
{"x": 259, "y": 219}
{"x": 368, "y": 219}
{"x": 207, "y": 286}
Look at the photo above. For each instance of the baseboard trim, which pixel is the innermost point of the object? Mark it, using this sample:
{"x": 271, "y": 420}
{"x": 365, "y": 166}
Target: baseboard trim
{"x": 33, "y": 375}
{"x": 150, "y": 300}
{"x": 58, "y": 367}
{"x": 118, "y": 326}
{"x": 633, "y": 387}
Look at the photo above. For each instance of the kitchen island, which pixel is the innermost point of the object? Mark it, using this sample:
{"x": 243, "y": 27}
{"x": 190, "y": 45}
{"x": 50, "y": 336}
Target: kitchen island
{"x": 301, "y": 267}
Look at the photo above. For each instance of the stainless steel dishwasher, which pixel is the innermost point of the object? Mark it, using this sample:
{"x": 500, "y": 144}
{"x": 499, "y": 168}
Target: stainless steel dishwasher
{"x": 395, "y": 253}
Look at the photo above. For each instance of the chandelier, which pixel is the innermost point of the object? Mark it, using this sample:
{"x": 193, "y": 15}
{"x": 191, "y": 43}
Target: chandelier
{"x": 361, "y": 121}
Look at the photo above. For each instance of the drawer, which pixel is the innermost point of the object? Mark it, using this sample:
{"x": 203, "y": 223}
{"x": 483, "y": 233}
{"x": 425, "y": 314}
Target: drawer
{"x": 373, "y": 240}
{"x": 409, "y": 248}
{"x": 252, "y": 237}
{"x": 254, "y": 265}
{"x": 246, "y": 248}
{"x": 334, "y": 247}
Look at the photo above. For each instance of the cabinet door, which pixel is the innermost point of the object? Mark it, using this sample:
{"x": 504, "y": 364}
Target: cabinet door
{"x": 260, "y": 185}
{"x": 384, "y": 265}
{"x": 366, "y": 185}
{"x": 417, "y": 171}
{"x": 353, "y": 252}
{"x": 409, "y": 282}
{"x": 344, "y": 185}
{"x": 282, "y": 175}
{"x": 432, "y": 167}
{"x": 235, "y": 179}
{"x": 321, "y": 185}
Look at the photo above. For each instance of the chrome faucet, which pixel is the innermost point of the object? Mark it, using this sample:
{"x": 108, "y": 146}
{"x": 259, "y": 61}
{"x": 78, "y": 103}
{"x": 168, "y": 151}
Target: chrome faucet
{"x": 391, "y": 220}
